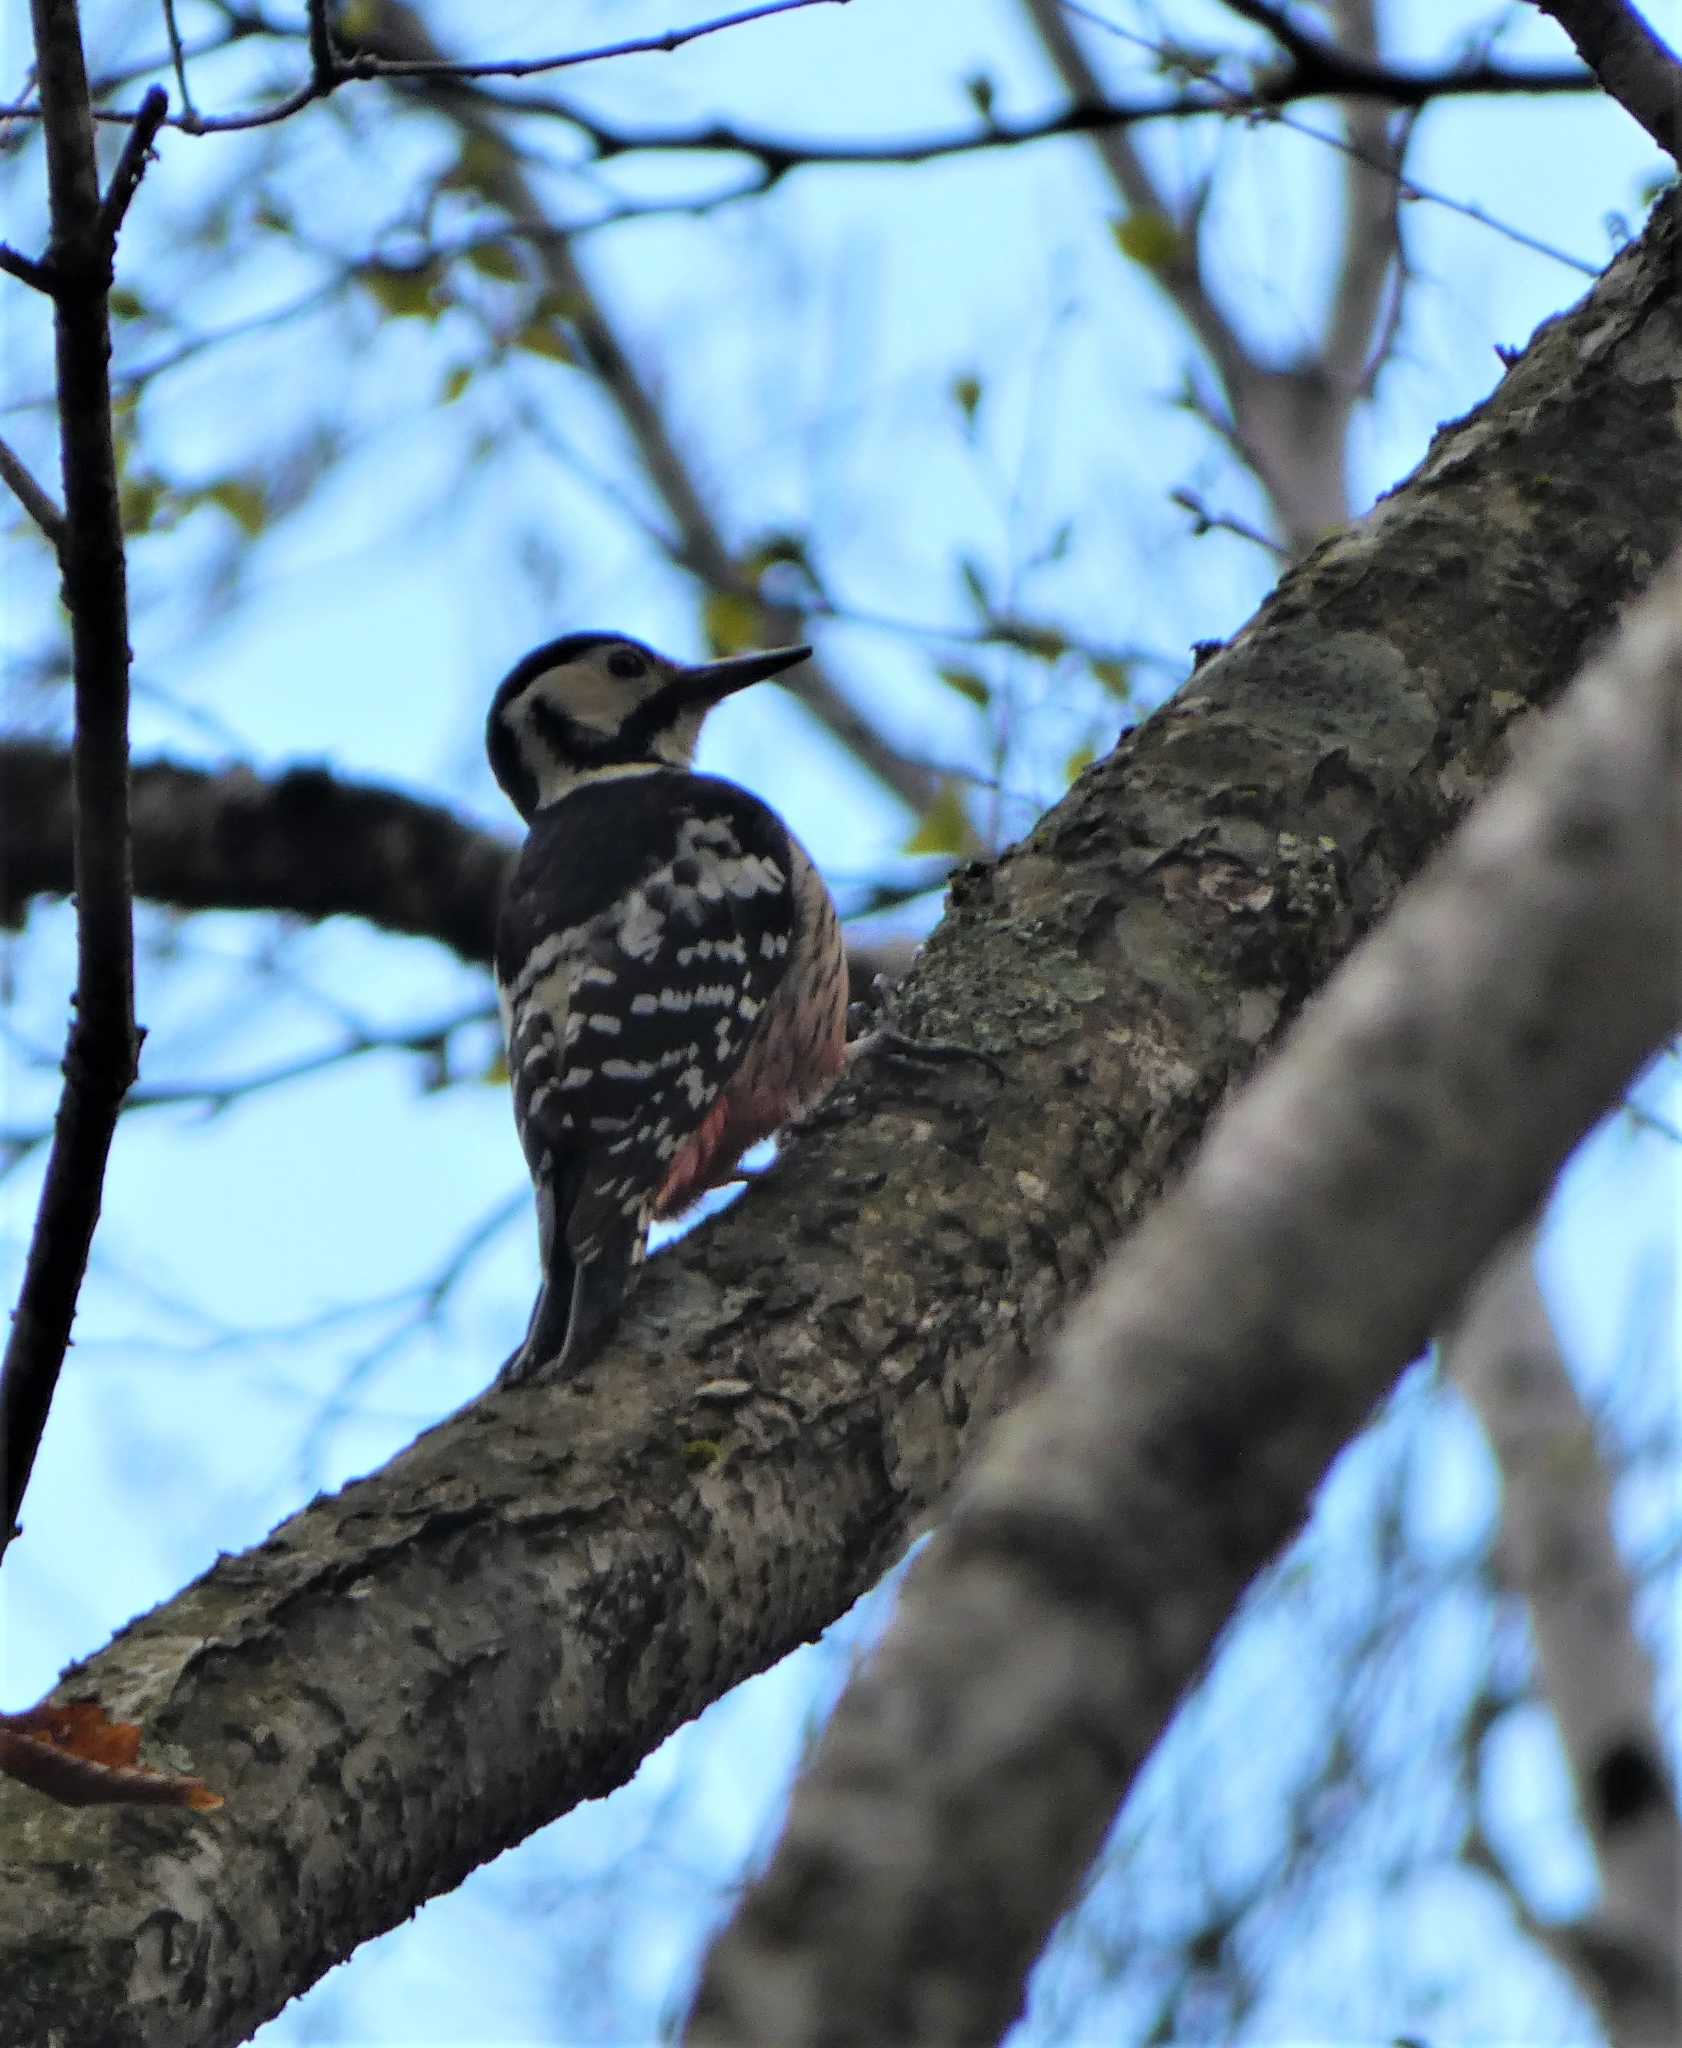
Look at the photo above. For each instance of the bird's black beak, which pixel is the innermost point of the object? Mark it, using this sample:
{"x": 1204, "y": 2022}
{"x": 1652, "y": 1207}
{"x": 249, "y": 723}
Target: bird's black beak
{"x": 710, "y": 682}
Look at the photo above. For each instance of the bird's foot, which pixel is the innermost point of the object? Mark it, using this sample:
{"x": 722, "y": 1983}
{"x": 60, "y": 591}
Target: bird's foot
{"x": 892, "y": 1043}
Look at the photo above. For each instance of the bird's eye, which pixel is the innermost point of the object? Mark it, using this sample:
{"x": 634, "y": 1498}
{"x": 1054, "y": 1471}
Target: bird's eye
{"x": 626, "y": 663}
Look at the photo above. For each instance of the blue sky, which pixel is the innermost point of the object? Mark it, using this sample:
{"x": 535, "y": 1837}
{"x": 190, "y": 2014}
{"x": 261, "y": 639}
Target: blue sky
{"x": 250, "y": 1332}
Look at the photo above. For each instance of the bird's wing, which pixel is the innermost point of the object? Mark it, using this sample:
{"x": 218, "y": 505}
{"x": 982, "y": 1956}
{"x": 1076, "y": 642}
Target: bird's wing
{"x": 633, "y": 971}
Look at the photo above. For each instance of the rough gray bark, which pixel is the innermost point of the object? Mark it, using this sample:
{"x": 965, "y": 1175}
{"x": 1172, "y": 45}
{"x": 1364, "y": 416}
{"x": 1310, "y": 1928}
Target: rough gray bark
{"x": 1637, "y": 67}
{"x": 306, "y": 842}
{"x": 1559, "y": 1554}
{"x": 1419, "y": 1110}
{"x": 412, "y": 1674}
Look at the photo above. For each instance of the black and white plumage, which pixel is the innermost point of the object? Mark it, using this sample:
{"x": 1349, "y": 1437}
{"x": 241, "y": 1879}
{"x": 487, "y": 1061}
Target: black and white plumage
{"x": 669, "y": 964}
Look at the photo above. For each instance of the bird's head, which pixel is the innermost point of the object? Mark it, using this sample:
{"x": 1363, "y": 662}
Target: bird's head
{"x": 595, "y": 703}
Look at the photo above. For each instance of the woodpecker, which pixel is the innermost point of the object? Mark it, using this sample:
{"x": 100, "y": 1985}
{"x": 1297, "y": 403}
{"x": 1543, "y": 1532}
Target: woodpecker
{"x": 669, "y": 964}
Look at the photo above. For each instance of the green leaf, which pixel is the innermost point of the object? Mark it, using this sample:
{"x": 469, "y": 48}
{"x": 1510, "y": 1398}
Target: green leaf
{"x": 1116, "y": 676}
{"x": 974, "y": 582}
{"x": 980, "y": 89}
{"x": 1045, "y": 643}
{"x": 405, "y": 292}
{"x": 1079, "y": 761}
{"x": 455, "y": 383}
{"x": 540, "y": 337}
{"x": 479, "y": 165}
{"x": 1149, "y": 239}
{"x": 243, "y": 502}
{"x": 732, "y": 623}
{"x": 966, "y": 396}
{"x": 140, "y": 499}
{"x": 496, "y": 259}
{"x": 778, "y": 551}
{"x": 945, "y": 827}
{"x": 126, "y": 304}
{"x": 967, "y": 684}
{"x": 551, "y": 304}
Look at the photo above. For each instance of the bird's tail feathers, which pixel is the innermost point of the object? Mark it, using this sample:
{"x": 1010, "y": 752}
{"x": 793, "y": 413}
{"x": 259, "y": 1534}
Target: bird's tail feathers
{"x": 574, "y": 1316}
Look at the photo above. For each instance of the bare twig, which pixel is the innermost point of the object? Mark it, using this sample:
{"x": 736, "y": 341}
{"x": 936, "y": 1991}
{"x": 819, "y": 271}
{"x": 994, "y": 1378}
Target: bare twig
{"x": 329, "y": 68}
{"x": 1638, "y": 68}
{"x": 25, "y": 268}
{"x": 1266, "y": 406}
{"x": 325, "y": 66}
{"x": 699, "y": 543}
{"x": 1306, "y": 49}
{"x": 527, "y": 67}
{"x": 103, "y": 1047}
{"x": 1204, "y": 521}
{"x": 131, "y": 165}
{"x": 780, "y": 154}
{"x": 177, "y": 58}
{"x": 1238, "y": 103}
{"x": 17, "y": 477}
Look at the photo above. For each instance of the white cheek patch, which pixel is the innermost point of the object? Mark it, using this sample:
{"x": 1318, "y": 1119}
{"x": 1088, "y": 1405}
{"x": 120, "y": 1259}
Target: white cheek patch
{"x": 676, "y": 745}
{"x": 598, "y": 701}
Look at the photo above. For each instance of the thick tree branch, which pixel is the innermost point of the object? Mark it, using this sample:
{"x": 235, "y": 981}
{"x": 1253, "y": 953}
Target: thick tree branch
{"x": 305, "y": 843}
{"x": 422, "y": 1669}
{"x": 1336, "y": 1212}
{"x": 1638, "y": 68}
{"x": 1367, "y": 299}
{"x": 1560, "y": 1556}
{"x": 103, "y": 1049}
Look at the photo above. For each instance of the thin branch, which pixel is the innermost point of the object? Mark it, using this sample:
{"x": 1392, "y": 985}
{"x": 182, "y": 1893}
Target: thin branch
{"x": 1204, "y": 521}
{"x": 425, "y": 1041}
{"x": 700, "y": 543}
{"x": 1239, "y": 103}
{"x": 1090, "y": 111}
{"x": 780, "y": 154}
{"x": 428, "y": 1041}
{"x": 527, "y": 67}
{"x": 17, "y": 477}
{"x": 325, "y": 64}
{"x": 1637, "y": 67}
{"x": 1307, "y": 50}
{"x": 131, "y": 165}
{"x": 330, "y": 69}
{"x": 177, "y": 58}
{"x": 102, "y": 1053}
{"x": 25, "y": 269}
